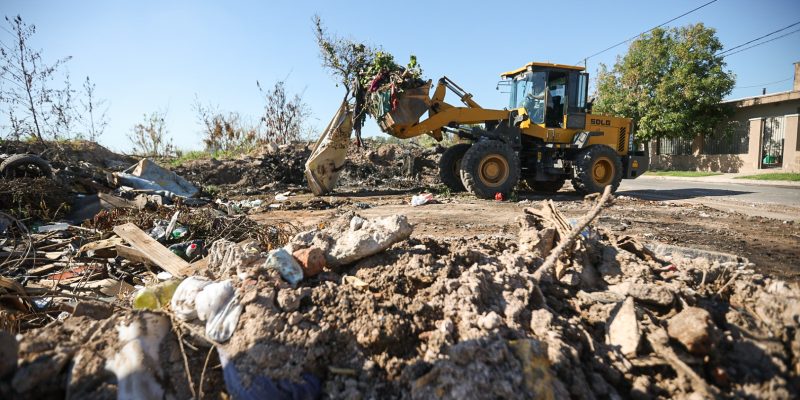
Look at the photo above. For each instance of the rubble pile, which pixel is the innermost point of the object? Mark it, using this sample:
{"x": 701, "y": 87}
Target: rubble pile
{"x": 362, "y": 308}
{"x": 374, "y": 165}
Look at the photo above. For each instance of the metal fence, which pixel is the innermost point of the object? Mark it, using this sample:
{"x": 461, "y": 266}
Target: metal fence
{"x": 674, "y": 147}
{"x": 735, "y": 142}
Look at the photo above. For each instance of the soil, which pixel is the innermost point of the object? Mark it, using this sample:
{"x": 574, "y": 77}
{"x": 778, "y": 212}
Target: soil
{"x": 773, "y": 250}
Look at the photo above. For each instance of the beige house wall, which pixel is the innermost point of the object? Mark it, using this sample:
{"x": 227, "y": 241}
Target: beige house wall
{"x": 750, "y": 114}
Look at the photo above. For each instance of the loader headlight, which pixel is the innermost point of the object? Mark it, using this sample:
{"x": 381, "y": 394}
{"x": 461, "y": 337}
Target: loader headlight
{"x": 635, "y": 164}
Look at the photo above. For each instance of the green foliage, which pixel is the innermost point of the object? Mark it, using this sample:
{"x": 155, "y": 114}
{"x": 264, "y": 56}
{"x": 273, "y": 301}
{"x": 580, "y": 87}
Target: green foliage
{"x": 671, "y": 82}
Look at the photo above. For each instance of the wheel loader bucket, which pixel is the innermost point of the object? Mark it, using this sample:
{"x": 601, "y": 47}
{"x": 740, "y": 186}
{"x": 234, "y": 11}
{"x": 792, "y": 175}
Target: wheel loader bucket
{"x": 407, "y": 110}
{"x": 329, "y": 153}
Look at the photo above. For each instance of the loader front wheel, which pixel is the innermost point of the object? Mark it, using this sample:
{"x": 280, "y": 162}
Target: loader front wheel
{"x": 450, "y": 166}
{"x": 488, "y": 168}
{"x": 595, "y": 168}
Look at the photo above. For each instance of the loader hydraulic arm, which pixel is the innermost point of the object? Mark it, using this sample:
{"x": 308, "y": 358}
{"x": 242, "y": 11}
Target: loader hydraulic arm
{"x": 441, "y": 113}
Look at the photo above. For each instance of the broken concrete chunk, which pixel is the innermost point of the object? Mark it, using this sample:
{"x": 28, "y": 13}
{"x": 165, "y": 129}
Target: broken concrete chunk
{"x": 646, "y": 292}
{"x": 355, "y": 238}
{"x": 622, "y": 329}
{"x": 694, "y": 328}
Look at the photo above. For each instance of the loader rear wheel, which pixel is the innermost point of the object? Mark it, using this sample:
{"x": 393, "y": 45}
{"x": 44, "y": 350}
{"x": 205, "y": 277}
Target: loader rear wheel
{"x": 545, "y": 186}
{"x": 450, "y": 166}
{"x": 488, "y": 168}
{"x": 595, "y": 168}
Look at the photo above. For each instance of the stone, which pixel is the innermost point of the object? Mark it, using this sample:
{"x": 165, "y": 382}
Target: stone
{"x": 622, "y": 329}
{"x": 311, "y": 259}
{"x": 645, "y": 292}
{"x": 490, "y": 321}
{"x": 694, "y": 328}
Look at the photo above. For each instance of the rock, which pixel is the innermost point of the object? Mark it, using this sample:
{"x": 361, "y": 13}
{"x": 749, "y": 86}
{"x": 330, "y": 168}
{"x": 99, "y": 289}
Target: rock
{"x": 694, "y": 328}
{"x": 622, "y": 329}
{"x": 600, "y": 297}
{"x": 93, "y": 309}
{"x": 312, "y": 260}
{"x": 490, "y": 321}
{"x": 645, "y": 292}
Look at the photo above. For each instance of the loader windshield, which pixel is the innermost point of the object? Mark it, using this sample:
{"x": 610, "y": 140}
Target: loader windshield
{"x": 529, "y": 92}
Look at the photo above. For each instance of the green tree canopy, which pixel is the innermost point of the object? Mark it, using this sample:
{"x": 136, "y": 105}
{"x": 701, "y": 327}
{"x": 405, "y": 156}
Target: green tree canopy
{"x": 671, "y": 82}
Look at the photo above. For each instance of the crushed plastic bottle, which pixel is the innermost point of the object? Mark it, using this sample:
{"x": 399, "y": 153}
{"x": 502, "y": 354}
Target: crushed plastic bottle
{"x": 156, "y": 296}
{"x": 59, "y": 226}
{"x": 587, "y": 233}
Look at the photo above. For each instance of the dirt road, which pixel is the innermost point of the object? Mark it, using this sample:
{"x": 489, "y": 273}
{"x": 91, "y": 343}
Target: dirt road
{"x": 772, "y": 244}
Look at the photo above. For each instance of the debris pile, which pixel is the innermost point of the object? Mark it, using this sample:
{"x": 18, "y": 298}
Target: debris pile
{"x": 361, "y": 308}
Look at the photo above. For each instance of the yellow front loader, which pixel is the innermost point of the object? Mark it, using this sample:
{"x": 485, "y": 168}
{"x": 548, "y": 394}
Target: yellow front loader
{"x": 546, "y": 136}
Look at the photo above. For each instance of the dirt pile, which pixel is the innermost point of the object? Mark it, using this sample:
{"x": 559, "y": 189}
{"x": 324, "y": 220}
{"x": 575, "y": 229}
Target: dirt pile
{"x": 468, "y": 318}
{"x": 374, "y": 166}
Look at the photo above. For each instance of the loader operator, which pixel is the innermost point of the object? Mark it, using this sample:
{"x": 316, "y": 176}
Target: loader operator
{"x": 535, "y": 98}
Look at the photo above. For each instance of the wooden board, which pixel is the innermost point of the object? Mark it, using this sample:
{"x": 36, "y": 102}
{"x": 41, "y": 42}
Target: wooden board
{"x": 152, "y": 250}
{"x": 129, "y": 253}
{"x": 101, "y": 245}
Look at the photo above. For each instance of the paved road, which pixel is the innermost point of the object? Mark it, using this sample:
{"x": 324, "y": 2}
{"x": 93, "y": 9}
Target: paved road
{"x": 773, "y": 201}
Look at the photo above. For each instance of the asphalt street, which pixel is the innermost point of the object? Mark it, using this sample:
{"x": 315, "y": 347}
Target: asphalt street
{"x": 773, "y": 201}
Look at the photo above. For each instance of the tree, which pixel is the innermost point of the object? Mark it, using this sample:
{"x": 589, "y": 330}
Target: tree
{"x": 344, "y": 58}
{"x": 284, "y": 117}
{"x": 94, "y": 110}
{"x": 26, "y": 78}
{"x": 149, "y": 137}
{"x": 671, "y": 83}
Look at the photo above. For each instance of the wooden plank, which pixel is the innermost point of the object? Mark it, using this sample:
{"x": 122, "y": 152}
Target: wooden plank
{"x": 101, "y": 245}
{"x": 152, "y": 250}
{"x": 131, "y": 254}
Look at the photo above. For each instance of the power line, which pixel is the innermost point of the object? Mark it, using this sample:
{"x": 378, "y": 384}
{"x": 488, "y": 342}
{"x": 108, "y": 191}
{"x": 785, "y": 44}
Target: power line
{"x": 763, "y": 84}
{"x": 760, "y": 43}
{"x": 758, "y": 38}
{"x": 649, "y": 30}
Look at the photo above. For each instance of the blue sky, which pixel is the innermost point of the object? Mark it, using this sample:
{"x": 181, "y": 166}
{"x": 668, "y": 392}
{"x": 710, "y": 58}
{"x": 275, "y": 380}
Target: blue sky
{"x": 146, "y": 55}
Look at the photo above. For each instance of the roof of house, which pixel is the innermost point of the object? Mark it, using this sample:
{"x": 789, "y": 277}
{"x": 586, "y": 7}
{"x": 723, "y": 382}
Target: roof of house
{"x": 764, "y": 99}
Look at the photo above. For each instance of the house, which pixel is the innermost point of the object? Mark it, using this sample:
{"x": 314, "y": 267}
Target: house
{"x": 766, "y": 135}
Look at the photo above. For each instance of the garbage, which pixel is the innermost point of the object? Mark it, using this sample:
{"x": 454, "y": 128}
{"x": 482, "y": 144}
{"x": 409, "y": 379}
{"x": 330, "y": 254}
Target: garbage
{"x": 283, "y": 262}
{"x": 61, "y": 226}
{"x": 148, "y": 175}
{"x": 183, "y": 301}
{"x": 262, "y": 387}
{"x": 216, "y": 304}
{"x": 156, "y": 296}
{"x": 421, "y": 199}
{"x": 133, "y": 364}
{"x": 188, "y": 250}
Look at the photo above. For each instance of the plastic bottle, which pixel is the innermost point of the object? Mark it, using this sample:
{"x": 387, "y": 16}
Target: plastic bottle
{"x": 156, "y": 296}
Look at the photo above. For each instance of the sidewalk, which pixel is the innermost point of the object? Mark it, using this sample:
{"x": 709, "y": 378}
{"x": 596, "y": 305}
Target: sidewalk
{"x": 728, "y": 178}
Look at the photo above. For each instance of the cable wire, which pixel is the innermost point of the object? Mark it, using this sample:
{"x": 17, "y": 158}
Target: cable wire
{"x": 649, "y": 30}
{"x": 763, "y": 84}
{"x": 758, "y": 38}
{"x": 760, "y": 43}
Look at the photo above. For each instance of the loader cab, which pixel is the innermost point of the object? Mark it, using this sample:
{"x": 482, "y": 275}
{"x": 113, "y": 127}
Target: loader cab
{"x": 553, "y": 95}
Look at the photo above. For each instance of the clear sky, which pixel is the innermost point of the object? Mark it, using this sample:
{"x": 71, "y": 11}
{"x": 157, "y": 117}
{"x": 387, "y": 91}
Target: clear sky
{"x": 146, "y": 55}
